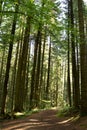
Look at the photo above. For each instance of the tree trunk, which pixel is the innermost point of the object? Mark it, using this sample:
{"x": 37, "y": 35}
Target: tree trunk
{"x": 48, "y": 74}
{"x": 26, "y": 103}
{"x": 57, "y": 86}
{"x": 9, "y": 61}
{"x": 37, "y": 76}
{"x": 1, "y": 75}
{"x": 74, "y": 72}
{"x": 65, "y": 94}
{"x": 78, "y": 65}
{"x": 68, "y": 75}
{"x": 14, "y": 77}
{"x": 42, "y": 65}
{"x": 32, "y": 87}
{"x": 21, "y": 74}
{"x": 83, "y": 59}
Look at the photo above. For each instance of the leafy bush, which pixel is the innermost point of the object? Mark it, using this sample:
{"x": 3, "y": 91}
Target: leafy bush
{"x": 68, "y": 111}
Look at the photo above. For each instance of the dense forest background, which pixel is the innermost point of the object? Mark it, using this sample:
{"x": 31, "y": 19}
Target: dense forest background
{"x": 43, "y": 55}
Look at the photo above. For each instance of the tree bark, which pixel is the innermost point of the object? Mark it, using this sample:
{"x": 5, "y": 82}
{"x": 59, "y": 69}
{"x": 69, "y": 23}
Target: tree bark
{"x": 68, "y": 75}
{"x": 74, "y": 69}
{"x": 9, "y": 61}
{"x": 37, "y": 76}
{"x": 21, "y": 73}
{"x": 83, "y": 59}
{"x": 48, "y": 74}
{"x": 42, "y": 65}
{"x": 13, "y": 80}
{"x": 32, "y": 87}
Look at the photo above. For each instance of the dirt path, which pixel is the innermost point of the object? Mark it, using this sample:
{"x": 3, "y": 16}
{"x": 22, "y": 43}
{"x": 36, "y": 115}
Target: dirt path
{"x": 44, "y": 120}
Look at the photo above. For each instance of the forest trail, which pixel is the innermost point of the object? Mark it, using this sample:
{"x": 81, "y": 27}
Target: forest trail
{"x": 44, "y": 120}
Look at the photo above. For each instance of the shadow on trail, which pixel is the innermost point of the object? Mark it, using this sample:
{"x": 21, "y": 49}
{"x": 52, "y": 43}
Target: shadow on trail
{"x": 45, "y": 120}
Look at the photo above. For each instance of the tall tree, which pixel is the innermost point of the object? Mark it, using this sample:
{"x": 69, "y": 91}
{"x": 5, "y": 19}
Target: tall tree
{"x": 74, "y": 69}
{"x": 83, "y": 59}
{"x": 68, "y": 75}
{"x": 42, "y": 64}
{"x": 32, "y": 87}
{"x": 9, "y": 60}
{"x": 37, "y": 77}
{"x": 21, "y": 73}
{"x": 14, "y": 76}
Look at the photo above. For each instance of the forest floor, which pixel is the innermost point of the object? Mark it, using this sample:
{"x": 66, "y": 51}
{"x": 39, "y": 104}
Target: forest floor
{"x": 45, "y": 120}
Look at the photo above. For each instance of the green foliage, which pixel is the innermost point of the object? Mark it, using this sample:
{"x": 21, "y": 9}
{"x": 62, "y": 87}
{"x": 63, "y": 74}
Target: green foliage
{"x": 45, "y": 14}
{"x": 26, "y": 113}
{"x": 68, "y": 111}
{"x": 45, "y": 104}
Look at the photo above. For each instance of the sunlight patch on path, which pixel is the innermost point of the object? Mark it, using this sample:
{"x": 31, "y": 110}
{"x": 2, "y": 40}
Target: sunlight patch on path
{"x": 66, "y": 121}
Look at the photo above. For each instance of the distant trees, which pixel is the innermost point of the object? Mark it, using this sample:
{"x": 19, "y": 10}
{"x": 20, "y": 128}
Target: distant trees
{"x": 78, "y": 55}
{"x": 27, "y": 71}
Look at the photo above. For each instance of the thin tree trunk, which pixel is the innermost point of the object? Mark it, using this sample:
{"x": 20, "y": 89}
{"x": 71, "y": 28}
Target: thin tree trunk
{"x": 1, "y": 75}
{"x": 14, "y": 76}
{"x": 44, "y": 83}
{"x": 32, "y": 87}
{"x": 26, "y": 103}
{"x": 68, "y": 75}
{"x": 1, "y": 69}
{"x": 57, "y": 86}
{"x": 48, "y": 74}
{"x": 42, "y": 65}
{"x": 78, "y": 65}
{"x": 65, "y": 94}
{"x": 37, "y": 76}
